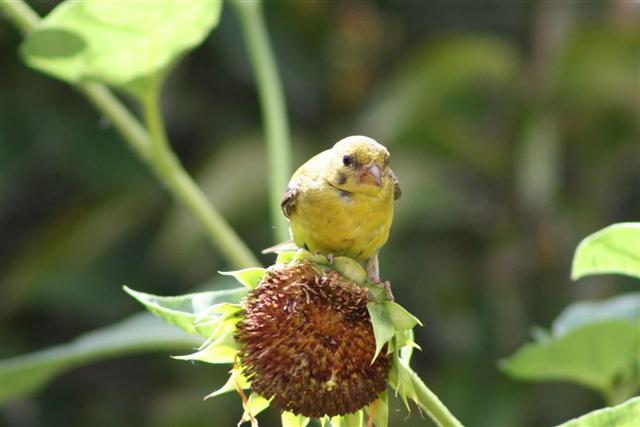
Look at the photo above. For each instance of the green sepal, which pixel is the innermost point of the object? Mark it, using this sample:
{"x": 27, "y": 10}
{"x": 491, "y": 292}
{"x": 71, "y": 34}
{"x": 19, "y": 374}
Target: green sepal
{"x": 400, "y": 317}
{"x": 350, "y": 269}
{"x": 391, "y": 345}
{"x": 249, "y": 277}
{"x": 378, "y": 411}
{"x": 383, "y": 329}
{"x": 348, "y": 420}
{"x": 303, "y": 255}
{"x": 405, "y": 344}
{"x": 353, "y": 420}
{"x": 186, "y": 311}
{"x": 400, "y": 381}
{"x": 217, "y": 318}
{"x": 409, "y": 386}
{"x": 390, "y": 320}
{"x": 377, "y": 293}
{"x": 255, "y": 404}
{"x": 286, "y": 257}
{"x": 289, "y": 419}
{"x": 223, "y": 349}
{"x": 236, "y": 379}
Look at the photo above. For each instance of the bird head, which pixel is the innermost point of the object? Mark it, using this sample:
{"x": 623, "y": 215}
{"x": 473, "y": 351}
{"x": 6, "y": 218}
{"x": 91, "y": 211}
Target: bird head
{"x": 360, "y": 164}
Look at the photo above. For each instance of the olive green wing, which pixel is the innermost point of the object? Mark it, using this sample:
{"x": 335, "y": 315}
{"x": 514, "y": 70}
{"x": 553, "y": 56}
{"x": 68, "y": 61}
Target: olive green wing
{"x": 396, "y": 186}
{"x": 289, "y": 199}
{"x": 308, "y": 176}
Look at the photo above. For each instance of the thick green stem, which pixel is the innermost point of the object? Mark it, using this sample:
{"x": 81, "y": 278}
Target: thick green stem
{"x": 126, "y": 124}
{"x": 153, "y": 149}
{"x": 168, "y": 168}
{"x": 20, "y": 14}
{"x": 273, "y": 106}
{"x": 430, "y": 403}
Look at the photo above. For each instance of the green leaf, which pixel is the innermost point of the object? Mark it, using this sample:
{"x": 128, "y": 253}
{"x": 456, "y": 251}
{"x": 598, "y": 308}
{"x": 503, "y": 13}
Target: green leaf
{"x": 184, "y": 311}
{"x": 249, "y": 277}
{"x": 595, "y": 355}
{"x": 612, "y": 250}
{"x": 123, "y": 44}
{"x": 23, "y": 375}
{"x": 400, "y": 317}
{"x": 626, "y": 306}
{"x": 626, "y": 414}
{"x": 378, "y": 411}
{"x": 291, "y": 420}
{"x": 383, "y": 329}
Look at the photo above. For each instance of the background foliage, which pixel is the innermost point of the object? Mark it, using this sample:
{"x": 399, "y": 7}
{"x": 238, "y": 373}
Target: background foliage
{"x": 514, "y": 132}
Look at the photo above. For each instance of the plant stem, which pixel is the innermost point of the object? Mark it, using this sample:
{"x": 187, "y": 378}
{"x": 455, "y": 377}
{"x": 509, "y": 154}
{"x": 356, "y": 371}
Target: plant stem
{"x": 273, "y": 106}
{"x": 127, "y": 125}
{"x": 168, "y": 168}
{"x": 430, "y": 402}
{"x": 20, "y": 14}
{"x": 153, "y": 149}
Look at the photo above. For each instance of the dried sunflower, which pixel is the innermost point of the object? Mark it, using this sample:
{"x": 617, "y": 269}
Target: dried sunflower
{"x": 312, "y": 337}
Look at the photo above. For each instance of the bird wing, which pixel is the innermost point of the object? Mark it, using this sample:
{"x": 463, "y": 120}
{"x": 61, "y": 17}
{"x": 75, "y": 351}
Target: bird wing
{"x": 289, "y": 199}
{"x": 396, "y": 186}
{"x": 307, "y": 176}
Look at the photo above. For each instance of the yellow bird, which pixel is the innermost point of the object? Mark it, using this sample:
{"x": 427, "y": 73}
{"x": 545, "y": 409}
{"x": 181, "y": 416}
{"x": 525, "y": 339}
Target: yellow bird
{"x": 340, "y": 202}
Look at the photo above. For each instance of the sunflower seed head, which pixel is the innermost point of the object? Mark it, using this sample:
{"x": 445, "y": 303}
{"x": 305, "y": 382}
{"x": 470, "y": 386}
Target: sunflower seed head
{"x": 307, "y": 341}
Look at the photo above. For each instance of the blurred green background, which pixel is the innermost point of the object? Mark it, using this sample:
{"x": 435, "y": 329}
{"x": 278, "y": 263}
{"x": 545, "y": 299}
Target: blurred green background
{"x": 514, "y": 130}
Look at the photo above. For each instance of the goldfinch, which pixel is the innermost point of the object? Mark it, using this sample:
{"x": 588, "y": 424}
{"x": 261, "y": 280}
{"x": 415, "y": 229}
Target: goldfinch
{"x": 340, "y": 202}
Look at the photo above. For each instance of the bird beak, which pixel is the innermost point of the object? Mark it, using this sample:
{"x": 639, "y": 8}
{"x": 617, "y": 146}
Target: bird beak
{"x": 371, "y": 173}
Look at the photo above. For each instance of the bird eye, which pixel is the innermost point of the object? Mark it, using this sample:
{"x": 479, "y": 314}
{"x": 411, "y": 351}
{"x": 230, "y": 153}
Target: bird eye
{"x": 347, "y": 160}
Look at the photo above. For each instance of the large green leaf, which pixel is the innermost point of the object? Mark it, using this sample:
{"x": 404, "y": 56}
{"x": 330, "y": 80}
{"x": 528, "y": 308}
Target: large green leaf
{"x": 596, "y": 355}
{"x": 185, "y": 311}
{"x": 612, "y": 250}
{"x": 626, "y": 306}
{"x": 26, "y": 374}
{"x": 626, "y": 414}
{"x": 118, "y": 43}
